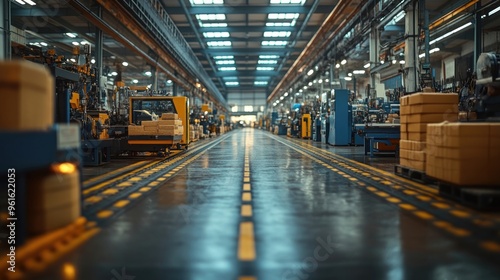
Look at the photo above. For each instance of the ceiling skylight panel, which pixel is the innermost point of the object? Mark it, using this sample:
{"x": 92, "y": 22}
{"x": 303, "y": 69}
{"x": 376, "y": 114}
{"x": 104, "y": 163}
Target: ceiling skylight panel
{"x": 207, "y": 2}
{"x": 224, "y": 62}
{"x": 274, "y": 43}
{"x": 224, "y": 57}
{"x": 277, "y": 34}
{"x": 219, "y": 43}
{"x": 227, "y": 68}
{"x": 260, "y": 68}
{"x": 267, "y": 61}
{"x": 216, "y": 34}
{"x": 211, "y": 17}
{"x": 263, "y": 56}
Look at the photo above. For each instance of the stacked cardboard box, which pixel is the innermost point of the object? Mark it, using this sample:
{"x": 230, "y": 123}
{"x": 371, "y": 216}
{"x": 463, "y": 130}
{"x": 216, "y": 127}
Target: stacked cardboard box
{"x": 464, "y": 153}
{"x": 27, "y": 92}
{"x": 418, "y": 110}
{"x": 168, "y": 126}
{"x": 53, "y": 201}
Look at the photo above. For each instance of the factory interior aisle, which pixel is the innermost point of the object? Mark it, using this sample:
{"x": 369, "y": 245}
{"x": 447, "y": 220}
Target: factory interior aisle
{"x": 256, "y": 207}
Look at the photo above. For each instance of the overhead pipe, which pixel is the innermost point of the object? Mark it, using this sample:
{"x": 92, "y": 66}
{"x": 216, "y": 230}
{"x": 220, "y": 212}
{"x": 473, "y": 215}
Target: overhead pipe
{"x": 101, "y": 24}
{"x": 336, "y": 17}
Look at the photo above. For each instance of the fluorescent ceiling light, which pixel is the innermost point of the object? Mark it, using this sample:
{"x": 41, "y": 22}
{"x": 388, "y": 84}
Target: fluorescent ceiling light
{"x": 494, "y": 11}
{"x": 260, "y": 83}
{"x": 20, "y": 2}
{"x": 71, "y": 35}
{"x": 216, "y": 34}
{"x": 30, "y": 2}
{"x": 43, "y": 44}
{"x": 283, "y": 16}
{"x": 267, "y": 61}
{"x": 310, "y": 84}
{"x": 277, "y": 34}
{"x": 268, "y": 56}
{"x": 281, "y": 98}
{"x": 213, "y": 24}
{"x": 399, "y": 16}
{"x": 434, "y": 50}
{"x": 169, "y": 81}
{"x": 114, "y": 74}
{"x": 227, "y": 69}
{"x": 92, "y": 61}
{"x": 135, "y": 81}
{"x": 285, "y": 24}
{"x": 207, "y": 2}
{"x": 232, "y": 83}
{"x": 337, "y": 65}
{"x": 76, "y": 43}
{"x": 84, "y": 42}
{"x": 211, "y": 17}
{"x": 74, "y": 60}
{"x": 421, "y": 55}
{"x": 219, "y": 44}
{"x": 402, "y": 62}
{"x": 286, "y": 94}
{"x": 224, "y": 57}
{"x": 148, "y": 73}
{"x": 450, "y": 33}
{"x": 274, "y": 43}
{"x": 265, "y": 68}
{"x": 343, "y": 62}
{"x": 358, "y": 72}
{"x": 310, "y": 72}
{"x": 349, "y": 74}
{"x": 299, "y": 2}
{"x": 125, "y": 63}
{"x": 367, "y": 65}
{"x": 230, "y": 78}
{"x": 224, "y": 62}
{"x": 348, "y": 78}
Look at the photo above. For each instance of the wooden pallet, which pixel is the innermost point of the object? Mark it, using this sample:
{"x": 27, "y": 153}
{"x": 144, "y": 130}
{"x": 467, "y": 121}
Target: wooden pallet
{"x": 478, "y": 197}
{"x": 412, "y": 174}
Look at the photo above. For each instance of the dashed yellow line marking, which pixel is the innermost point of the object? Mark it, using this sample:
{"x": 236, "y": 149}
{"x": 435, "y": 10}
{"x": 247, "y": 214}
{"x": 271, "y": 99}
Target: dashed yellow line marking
{"x": 441, "y": 205}
{"x": 93, "y": 199}
{"x": 121, "y": 203}
{"x": 393, "y": 200}
{"x": 103, "y": 214}
{"x": 371, "y": 189}
{"x": 246, "y": 196}
{"x": 491, "y": 246}
{"x": 246, "y": 180}
{"x": 410, "y": 192}
{"x": 247, "y": 278}
{"x": 407, "y": 206}
{"x": 424, "y": 198}
{"x": 161, "y": 179}
{"x": 135, "y": 179}
{"x": 154, "y": 184}
{"x": 246, "y": 174}
{"x": 246, "y": 210}
{"x": 442, "y": 224}
{"x": 483, "y": 223}
{"x": 134, "y": 195}
{"x": 117, "y": 171}
{"x": 124, "y": 184}
{"x": 424, "y": 215}
{"x": 110, "y": 191}
{"x": 246, "y": 244}
{"x": 247, "y": 187}
{"x": 381, "y": 194}
{"x": 458, "y": 231}
{"x": 460, "y": 213}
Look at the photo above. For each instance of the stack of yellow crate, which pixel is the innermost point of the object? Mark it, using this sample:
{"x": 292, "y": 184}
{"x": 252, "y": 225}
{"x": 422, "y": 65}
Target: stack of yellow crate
{"x": 464, "y": 153}
{"x": 418, "y": 110}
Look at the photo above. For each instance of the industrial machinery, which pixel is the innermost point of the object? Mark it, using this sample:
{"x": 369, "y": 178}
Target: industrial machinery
{"x": 78, "y": 97}
{"x": 305, "y": 127}
{"x": 488, "y": 94}
{"x": 340, "y": 118}
{"x": 144, "y": 109}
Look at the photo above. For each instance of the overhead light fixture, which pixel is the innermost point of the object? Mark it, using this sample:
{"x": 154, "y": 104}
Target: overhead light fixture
{"x": 320, "y": 81}
{"x": 216, "y": 34}
{"x": 366, "y": 65}
{"x": 310, "y": 72}
{"x": 275, "y": 34}
{"x": 125, "y": 63}
{"x": 169, "y": 81}
{"x": 327, "y": 80}
{"x": 232, "y": 83}
{"x": 71, "y": 35}
{"x": 348, "y": 78}
{"x": 135, "y": 81}
{"x": 359, "y": 72}
{"x": 450, "y": 33}
{"x": 148, "y": 73}
{"x": 92, "y": 61}
{"x": 73, "y": 60}
{"x": 310, "y": 84}
{"x": 281, "y": 98}
{"x": 260, "y": 83}
{"x": 305, "y": 87}
{"x": 20, "y": 2}
{"x": 43, "y": 44}
{"x": 402, "y": 62}
{"x": 267, "y": 61}
{"x": 269, "y": 56}
{"x": 224, "y": 62}
{"x": 349, "y": 74}
{"x": 399, "y": 16}
{"x": 300, "y": 91}
{"x": 265, "y": 68}
{"x": 315, "y": 81}
{"x": 494, "y": 11}
{"x": 219, "y": 43}
{"x": 211, "y": 17}
{"x": 75, "y": 43}
{"x": 227, "y": 69}
{"x": 224, "y": 57}
{"x": 274, "y": 43}
{"x": 84, "y": 42}
{"x": 382, "y": 61}
{"x": 286, "y": 94}
{"x": 114, "y": 74}
{"x": 394, "y": 61}
{"x": 343, "y": 62}
{"x": 30, "y": 2}
{"x": 317, "y": 96}
{"x": 337, "y": 65}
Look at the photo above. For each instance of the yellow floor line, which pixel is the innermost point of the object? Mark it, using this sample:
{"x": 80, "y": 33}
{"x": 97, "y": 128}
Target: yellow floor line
{"x": 113, "y": 172}
{"x": 246, "y": 242}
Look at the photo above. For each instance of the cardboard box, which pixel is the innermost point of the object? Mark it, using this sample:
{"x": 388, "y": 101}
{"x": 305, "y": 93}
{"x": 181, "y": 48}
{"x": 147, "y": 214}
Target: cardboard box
{"x": 149, "y": 123}
{"x": 432, "y": 98}
{"x": 28, "y": 96}
{"x": 151, "y": 128}
{"x": 412, "y": 164}
{"x": 135, "y": 129}
{"x": 466, "y": 129}
{"x": 417, "y": 136}
{"x": 166, "y": 127}
{"x": 404, "y": 110}
{"x": 167, "y": 122}
{"x": 412, "y": 145}
{"x": 432, "y": 118}
{"x": 53, "y": 200}
{"x": 433, "y": 108}
{"x": 169, "y": 116}
{"x": 417, "y": 127}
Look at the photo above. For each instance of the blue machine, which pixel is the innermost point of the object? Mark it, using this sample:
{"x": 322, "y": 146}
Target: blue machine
{"x": 340, "y": 119}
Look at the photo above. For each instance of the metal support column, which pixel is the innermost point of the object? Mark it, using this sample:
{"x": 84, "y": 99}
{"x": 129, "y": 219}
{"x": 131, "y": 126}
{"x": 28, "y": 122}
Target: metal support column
{"x": 478, "y": 38}
{"x": 174, "y": 89}
{"x": 411, "y": 61}
{"x": 5, "y": 22}
{"x": 99, "y": 60}
{"x": 154, "y": 78}
{"x": 374, "y": 50}
{"x": 329, "y": 93}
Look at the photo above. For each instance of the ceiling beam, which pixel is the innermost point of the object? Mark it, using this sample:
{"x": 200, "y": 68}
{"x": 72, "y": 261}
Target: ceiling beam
{"x": 38, "y": 12}
{"x": 239, "y": 40}
{"x": 247, "y": 51}
{"x": 244, "y": 9}
{"x": 246, "y": 29}
{"x": 246, "y": 73}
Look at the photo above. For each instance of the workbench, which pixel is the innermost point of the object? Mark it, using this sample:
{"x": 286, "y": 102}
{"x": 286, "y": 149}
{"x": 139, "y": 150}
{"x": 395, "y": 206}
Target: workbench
{"x": 378, "y": 133}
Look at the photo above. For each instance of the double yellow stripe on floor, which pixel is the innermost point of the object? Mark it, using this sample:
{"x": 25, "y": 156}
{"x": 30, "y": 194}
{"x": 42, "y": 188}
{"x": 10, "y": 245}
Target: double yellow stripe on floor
{"x": 246, "y": 240}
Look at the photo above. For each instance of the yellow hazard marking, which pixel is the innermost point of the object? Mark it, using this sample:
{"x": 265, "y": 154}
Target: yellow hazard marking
{"x": 491, "y": 246}
{"x": 124, "y": 184}
{"x": 424, "y": 215}
{"x": 110, "y": 191}
{"x": 441, "y": 205}
{"x": 460, "y": 213}
{"x": 247, "y": 187}
{"x": 121, "y": 203}
{"x": 394, "y": 200}
{"x": 246, "y": 243}
{"x": 407, "y": 206}
{"x": 246, "y": 210}
{"x": 144, "y": 189}
{"x": 246, "y": 197}
{"x": 93, "y": 199}
{"x": 103, "y": 214}
{"x": 134, "y": 195}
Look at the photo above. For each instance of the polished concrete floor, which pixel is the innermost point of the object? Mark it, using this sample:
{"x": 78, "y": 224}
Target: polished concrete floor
{"x": 307, "y": 222}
